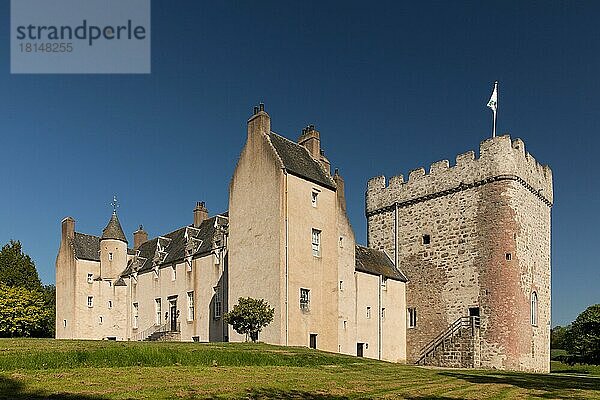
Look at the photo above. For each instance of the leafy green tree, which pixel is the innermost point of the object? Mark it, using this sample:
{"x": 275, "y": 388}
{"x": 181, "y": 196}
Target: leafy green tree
{"x": 558, "y": 336}
{"x": 23, "y": 312}
{"x": 17, "y": 268}
{"x": 583, "y": 339}
{"x": 250, "y": 316}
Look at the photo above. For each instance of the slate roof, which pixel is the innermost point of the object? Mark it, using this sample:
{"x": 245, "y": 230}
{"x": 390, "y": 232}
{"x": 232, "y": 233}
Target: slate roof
{"x": 298, "y": 161}
{"x": 176, "y": 246}
{"x": 376, "y": 262}
{"x": 113, "y": 230}
{"x": 87, "y": 247}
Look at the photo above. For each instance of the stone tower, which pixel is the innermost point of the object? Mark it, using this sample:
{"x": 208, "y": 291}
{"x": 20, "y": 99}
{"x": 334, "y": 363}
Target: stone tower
{"x": 474, "y": 242}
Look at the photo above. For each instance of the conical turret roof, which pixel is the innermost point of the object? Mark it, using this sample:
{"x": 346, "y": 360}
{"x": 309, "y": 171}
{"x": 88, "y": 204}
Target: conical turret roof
{"x": 113, "y": 230}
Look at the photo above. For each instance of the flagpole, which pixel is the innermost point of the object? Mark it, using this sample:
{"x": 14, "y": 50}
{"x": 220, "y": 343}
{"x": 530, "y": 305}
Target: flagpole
{"x": 495, "y": 110}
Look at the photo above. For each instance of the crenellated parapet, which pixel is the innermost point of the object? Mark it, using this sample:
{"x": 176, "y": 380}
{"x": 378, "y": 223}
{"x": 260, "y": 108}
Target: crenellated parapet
{"x": 500, "y": 158}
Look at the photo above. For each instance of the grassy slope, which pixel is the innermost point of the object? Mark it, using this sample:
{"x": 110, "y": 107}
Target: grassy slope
{"x": 36, "y": 369}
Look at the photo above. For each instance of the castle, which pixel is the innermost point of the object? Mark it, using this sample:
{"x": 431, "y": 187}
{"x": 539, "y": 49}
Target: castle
{"x": 456, "y": 271}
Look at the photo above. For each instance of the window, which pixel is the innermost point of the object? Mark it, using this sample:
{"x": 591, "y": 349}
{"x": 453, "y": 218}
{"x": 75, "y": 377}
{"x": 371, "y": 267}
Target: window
{"x": 64, "y": 323}
{"x": 412, "y": 317}
{"x": 135, "y": 315}
{"x": 426, "y": 239}
{"x": 158, "y": 311}
{"x": 341, "y": 241}
{"x": 508, "y": 256}
{"x": 218, "y": 303}
{"x": 313, "y": 197}
{"x": 109, "y": 283}
{"x": 384, "y": 283}
{"x": 345, "y": 324}
{"x": 110, "y": 304}
{"x": 368, "y": 312}
{"x": 383, "y": 313}
{"x": 316, "y": 242}
{"x": 190, "y": 300}
{"x": 90, "y": 278}
{"x": 341, "y": 285}
{"x": 90, "y": 301}
{"x": 304, "y": 299}
{"x": 312, "y": 341}
{"x": 174, "y": 275}
{"x": 100, "y": 320}
{"x": 534, "y": 309}
{"x": 110, "y": 256}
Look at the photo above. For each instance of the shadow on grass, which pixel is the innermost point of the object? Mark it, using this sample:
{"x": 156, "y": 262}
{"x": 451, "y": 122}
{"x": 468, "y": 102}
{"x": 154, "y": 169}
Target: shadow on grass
{"x": 269, "y": 393}
{"x": 548, "y": 386}
{"x": 14, "y": 390}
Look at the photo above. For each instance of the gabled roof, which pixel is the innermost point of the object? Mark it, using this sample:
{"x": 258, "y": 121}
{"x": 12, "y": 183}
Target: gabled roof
{"x": 376, "y": 262}
{"x": 87, "y": 247}
{"x": 113, "y": 230}
{"x": 298, "y": 161}
{"x": 175, "y": 249}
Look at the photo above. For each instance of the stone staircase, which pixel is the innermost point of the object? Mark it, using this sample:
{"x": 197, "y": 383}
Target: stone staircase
{"x": 162, "y": 333}
{"x": 456, "y": 347}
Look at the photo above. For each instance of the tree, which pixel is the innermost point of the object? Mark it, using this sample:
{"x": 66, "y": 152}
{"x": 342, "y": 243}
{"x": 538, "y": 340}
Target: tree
{"x": 583, "y": 339}
{"x": 23, "y": 312}
{"x": 250, "y": 316}
{"x": 558, "y": 336}
{"x": 17, "y": 268}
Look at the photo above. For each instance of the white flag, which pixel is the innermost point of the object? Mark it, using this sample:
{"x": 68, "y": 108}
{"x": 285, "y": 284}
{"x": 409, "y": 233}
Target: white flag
{"x": 493, "y": 103}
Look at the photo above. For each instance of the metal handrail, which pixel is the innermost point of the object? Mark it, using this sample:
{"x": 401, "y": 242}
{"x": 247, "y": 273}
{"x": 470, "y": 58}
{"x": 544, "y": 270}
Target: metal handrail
{"x": 149, "y": 331}
{"x": 466, "y": 322}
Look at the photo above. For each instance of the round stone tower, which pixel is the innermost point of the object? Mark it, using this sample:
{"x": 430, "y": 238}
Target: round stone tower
{"x": 113, "y": 249}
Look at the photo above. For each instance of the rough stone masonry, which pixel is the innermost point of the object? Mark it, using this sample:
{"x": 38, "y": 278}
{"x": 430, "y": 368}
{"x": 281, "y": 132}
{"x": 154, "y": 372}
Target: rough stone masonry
{"x": 473, "y": 239}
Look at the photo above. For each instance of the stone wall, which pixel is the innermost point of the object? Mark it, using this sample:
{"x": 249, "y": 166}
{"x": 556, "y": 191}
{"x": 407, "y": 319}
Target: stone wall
{"x": 488, "y": 226}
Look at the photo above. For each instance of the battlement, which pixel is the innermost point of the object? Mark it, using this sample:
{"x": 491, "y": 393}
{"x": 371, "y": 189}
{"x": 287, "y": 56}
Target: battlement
{"x": 499, "y": 158}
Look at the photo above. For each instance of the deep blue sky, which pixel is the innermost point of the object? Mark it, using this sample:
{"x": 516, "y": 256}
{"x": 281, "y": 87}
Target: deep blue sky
{"x": 391, "y": 86}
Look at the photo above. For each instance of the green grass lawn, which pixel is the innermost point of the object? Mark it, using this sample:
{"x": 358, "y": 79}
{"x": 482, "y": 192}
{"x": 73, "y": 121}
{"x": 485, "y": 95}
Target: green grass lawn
{"x": 53, "y": 369}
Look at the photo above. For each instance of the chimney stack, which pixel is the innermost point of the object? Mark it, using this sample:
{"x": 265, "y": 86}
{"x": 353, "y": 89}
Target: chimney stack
{"x": 139, "y": 237}
{"x": 260, "y": 122}
{"x": 311, "y": 139}
{"x": 200, "y": 214}
{"x": 68, "y": 228}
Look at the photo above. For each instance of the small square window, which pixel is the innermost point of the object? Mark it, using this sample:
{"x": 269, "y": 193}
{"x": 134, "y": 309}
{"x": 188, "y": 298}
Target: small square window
{"x": 341, "y": 285}
{"x": 305, "y": 299}
{"x": 110, "y": 256}
{"x": 313, "y": 197}
{"x": 100, "y": 320}
{"x": 64, "y": 323}
{"x": 90, "y": 301}
{"x": 368, "y": 312}
{"x": 316, "y": 242}
{"x": 110, "y": 304}
{"x": 90, "y": 278}
{"x": 426, "y": 239}
{"x": 508, "y": 256}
